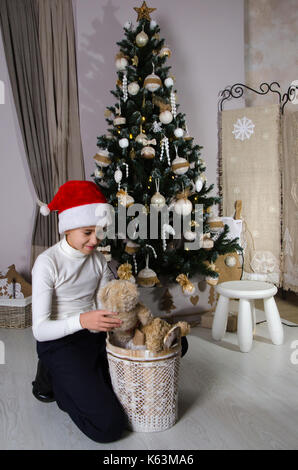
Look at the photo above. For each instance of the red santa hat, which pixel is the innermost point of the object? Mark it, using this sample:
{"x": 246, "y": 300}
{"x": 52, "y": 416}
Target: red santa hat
{"x": 79, "y": 204}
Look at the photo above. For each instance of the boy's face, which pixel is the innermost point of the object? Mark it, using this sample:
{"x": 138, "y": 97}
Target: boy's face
{"x": 83, "y": 239}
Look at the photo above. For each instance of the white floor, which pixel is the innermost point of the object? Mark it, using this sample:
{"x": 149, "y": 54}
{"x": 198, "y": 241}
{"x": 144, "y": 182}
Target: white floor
{"x": 227, "y": 399}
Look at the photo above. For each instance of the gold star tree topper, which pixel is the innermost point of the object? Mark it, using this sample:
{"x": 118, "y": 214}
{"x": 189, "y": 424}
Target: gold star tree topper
{"x": 144, "y": 12}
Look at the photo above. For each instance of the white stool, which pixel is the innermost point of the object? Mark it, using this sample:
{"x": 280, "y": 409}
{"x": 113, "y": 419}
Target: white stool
{"x": 247, "y": 292}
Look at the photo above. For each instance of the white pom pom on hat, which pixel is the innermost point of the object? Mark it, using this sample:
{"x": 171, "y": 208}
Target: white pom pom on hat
{"x": 79, "y": 204}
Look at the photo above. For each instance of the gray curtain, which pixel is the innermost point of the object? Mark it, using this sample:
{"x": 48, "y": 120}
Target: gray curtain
{"x": 58, "y": 55}
{"x": 18, "y": 21}
{"x": 39, "y": 42}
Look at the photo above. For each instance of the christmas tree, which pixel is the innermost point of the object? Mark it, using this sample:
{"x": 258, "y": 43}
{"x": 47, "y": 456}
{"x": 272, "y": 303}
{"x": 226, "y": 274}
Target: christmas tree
{"x": 147, "y": 157}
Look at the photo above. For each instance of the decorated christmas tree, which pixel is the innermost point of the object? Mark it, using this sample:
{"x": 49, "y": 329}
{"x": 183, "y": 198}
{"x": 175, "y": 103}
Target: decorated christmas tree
{"x": 147, "y": 157}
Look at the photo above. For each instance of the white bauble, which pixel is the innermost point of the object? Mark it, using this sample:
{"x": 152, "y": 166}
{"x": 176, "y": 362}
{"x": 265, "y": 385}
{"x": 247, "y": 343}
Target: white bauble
{"x": 169, "y": 82}
{"x": 118, "y": 176}
{"x": 158, "y": 200}
{"x": 199, "y": 184}
{"x": 121, "y": 63}
{"x": 183, "y": 207}
{"x": 152, "y": 82}
{"x": 178, "y": 132}
{"x": 123, "y": 143}
{"x": 189, "y": 235}
{"x": 133, "y": 88}
{"x": 166, "y": 117}
{"x": 182, "y": 165}
{"x": 153, "y": 24}
{"x": 102, "y": 158}
{"x": 141, "y": 138}
{"x": 142, "y": 39}
{"x": 147, "y": 278}
{"x": 230, "y": 261}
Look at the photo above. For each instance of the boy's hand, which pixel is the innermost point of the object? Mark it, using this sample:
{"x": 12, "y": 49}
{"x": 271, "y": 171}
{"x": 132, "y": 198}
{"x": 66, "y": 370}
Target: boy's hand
{"x": 100, "y": 320}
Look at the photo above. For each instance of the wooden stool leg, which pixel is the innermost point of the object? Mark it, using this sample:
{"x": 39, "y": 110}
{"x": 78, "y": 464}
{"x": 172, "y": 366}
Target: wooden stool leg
{"x": 244, "y": 330}
{"x": 219, "y": 324}
{"x": 273, "y": 319}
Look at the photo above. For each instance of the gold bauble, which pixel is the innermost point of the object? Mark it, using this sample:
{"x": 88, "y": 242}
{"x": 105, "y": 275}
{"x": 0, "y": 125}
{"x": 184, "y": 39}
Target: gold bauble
{"x": 152, "y": 82}
{"x": 142, "y": 39}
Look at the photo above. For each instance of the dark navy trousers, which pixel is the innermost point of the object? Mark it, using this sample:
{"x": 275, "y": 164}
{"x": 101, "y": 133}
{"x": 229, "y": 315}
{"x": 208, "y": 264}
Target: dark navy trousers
{"x": 78, "y": 368}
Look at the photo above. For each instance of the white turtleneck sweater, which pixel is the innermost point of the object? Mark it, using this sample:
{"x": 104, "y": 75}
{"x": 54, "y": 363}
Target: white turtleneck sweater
{"x": 65, "y": 283}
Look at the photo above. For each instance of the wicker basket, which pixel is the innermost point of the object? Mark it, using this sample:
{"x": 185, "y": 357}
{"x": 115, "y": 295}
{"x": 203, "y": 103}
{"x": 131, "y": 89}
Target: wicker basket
{"x": 16, "y": 313}
{"x": 146, "y": 385}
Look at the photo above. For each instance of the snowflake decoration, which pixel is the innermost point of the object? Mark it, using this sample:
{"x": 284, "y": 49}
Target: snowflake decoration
{"x": 243, "y": 129}
{"x": 157, "y": 127}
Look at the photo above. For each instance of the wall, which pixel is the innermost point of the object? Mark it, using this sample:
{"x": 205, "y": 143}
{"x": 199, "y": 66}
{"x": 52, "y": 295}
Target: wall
{"x": 207, "y": 43}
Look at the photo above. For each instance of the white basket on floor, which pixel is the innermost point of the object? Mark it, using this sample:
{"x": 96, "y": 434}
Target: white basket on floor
{"x": 146, "y": 385}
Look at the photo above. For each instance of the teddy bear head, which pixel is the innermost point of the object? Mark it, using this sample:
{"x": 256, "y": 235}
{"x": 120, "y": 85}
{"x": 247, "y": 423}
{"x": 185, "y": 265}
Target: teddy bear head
{"x": 119, "y": 296}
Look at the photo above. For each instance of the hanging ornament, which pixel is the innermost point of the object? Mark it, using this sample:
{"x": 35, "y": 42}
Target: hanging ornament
{"x": 169, "y": 82}
{"x": 183, "y": 206}
{"x": 147, "y": 277}
{"x": 124, "y": 198}
{"x": 142, "y": 39}
{"x": 165, "y": 147}
{"x": 119, "y": 120}
{"x": 98, "y": 173}
{"x": 152, "y": 82}
{"x": 187, "y": 136}
{"x": 133, "y": 88}
{"x": 179, "y": 165}
{"x": 230, "y": 261}
{"x": 106, "y": 251}
{"x": 153, "y": 250}
{"x": 118, "y": 176}
{"x": 173, "y": 103}
{"x": 123, "y": 143}
{"x": 187, "y": 287}
{"x": 212, "y": 281}
{"x": 102, "y": 158}
{"x": 148, "y": 152}
{"x": 165, "y": 52}
{"x": 166, "y": 117}
{"x": 156, "y": 127}
{"x": 189, "y": 235}
{"x": 125, "y": 272}
{"x": 215, "y": 223}
{"x": 131, "y": 247}
{"x": 206, "y": 242}
{"x": 121, "y": 61}
{"x": 158, "y": 201}
{"x": 199, "y": 183}
{"x": 166, "y": 229}
{"x": 124, "y": 87}
{"x": 178, "y": 132}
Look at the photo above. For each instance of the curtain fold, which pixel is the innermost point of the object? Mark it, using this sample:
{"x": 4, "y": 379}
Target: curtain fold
{"x": 18, "y": 20}
{"x": 39, "y": 43}
{"x": 58, "y": 55}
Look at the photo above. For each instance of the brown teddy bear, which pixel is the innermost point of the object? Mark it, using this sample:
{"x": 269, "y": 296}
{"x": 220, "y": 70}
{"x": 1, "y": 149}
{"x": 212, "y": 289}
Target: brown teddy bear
{"x": 139, "y": 329}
